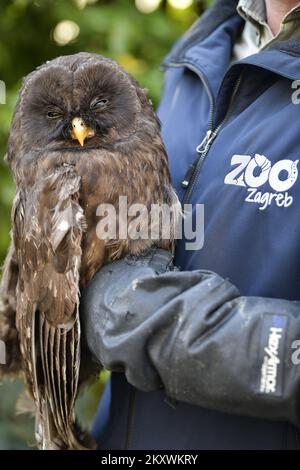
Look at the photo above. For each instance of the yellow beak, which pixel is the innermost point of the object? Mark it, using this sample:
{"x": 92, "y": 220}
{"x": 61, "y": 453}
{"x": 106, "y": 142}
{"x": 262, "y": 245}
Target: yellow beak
{"x": 80, "y": 131}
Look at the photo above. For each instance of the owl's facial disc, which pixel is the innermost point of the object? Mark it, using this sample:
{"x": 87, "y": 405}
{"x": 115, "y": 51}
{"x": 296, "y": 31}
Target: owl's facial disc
{"x": 80, "y": 131}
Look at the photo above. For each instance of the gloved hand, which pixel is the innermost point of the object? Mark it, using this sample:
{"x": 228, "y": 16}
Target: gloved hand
{"x": 191, "y": 333}
{"x": 123, "y": 296}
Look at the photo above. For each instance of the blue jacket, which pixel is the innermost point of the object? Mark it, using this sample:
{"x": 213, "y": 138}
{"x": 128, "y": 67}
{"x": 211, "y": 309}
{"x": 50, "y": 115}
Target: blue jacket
{"x": 245, "y": 172}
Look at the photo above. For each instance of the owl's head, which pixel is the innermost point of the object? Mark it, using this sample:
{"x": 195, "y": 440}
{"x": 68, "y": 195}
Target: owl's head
{"x": 81, "y": 100}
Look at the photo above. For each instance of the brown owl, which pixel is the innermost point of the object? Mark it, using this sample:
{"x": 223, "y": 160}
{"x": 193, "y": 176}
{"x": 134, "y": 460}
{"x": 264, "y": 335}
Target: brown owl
{"x": 83, "y": 134}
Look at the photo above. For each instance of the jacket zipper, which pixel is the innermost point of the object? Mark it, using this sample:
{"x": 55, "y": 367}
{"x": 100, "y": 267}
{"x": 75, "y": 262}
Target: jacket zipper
{"x": 131, "y": 411}
{"x": 202, "y": 149}
{"x": 192, "y": 174}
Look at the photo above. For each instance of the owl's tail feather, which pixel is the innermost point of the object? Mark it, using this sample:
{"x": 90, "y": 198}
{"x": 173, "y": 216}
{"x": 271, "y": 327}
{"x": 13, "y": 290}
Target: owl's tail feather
{"x": 49, "y": 438}
{"x": 60, "y": 349}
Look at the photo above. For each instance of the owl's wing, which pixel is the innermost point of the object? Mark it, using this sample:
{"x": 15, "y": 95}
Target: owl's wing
{"x": 10, "y": 360}
{"x": 48, "y": 224}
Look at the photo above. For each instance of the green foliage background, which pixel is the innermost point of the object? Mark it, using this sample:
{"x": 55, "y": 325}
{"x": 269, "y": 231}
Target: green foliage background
{"x": 114, "y": 28}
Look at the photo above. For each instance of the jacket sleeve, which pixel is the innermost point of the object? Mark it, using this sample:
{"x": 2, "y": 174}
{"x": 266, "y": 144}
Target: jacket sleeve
{"x": 192, "y": 334}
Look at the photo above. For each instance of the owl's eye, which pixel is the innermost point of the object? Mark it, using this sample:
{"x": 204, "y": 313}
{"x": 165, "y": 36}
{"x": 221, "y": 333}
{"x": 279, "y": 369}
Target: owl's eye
{"x": 53, "y": 115}
{"x": 98, "y": 103}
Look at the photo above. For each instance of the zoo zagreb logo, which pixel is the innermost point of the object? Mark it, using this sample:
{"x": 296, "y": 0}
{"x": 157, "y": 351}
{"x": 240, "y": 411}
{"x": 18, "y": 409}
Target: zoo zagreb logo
{"x": 254, "y": 172}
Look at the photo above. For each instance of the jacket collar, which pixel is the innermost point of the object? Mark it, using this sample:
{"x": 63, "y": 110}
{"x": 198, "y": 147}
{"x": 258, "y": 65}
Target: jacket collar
{"x": 221, "y": 11}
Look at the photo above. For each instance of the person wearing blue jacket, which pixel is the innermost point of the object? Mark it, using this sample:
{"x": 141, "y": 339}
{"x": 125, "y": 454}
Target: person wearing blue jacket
{"x": 207, "y": 356}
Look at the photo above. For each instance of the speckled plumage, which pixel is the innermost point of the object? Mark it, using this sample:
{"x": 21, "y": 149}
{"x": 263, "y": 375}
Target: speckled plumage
{"x": 55, "y": 249}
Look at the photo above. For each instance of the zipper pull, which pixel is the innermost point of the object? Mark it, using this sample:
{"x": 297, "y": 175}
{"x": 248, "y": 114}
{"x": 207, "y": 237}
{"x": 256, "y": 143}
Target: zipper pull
{"x": 187, "y": 178}
{"x": 203, "y": 146}
{"x": 201, "y": 150}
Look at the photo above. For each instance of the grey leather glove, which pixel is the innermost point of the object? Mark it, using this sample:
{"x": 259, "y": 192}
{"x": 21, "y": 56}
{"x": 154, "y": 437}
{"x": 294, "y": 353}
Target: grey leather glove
{"x": 191, "y": 333}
